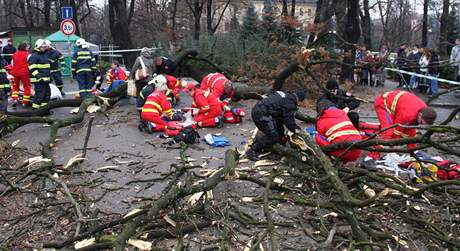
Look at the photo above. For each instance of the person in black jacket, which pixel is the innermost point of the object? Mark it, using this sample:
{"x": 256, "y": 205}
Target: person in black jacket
{"x": 4, "y": 87}
{"x": 56, "y": 61}
{"x": 9, "y": 49}
{"x": 271, "y": 115}
{"x": 164, "y": 65}
{"x": 341, "y": 99}
{"x": 40, "y": 74}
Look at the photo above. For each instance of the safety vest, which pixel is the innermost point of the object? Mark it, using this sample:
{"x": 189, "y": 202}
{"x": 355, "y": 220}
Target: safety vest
{"x": 158, "y": 104}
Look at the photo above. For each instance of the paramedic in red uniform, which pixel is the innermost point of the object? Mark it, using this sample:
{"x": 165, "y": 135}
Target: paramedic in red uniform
{"x": 174, "y": 86}
{"x": 155, "y": 109}
{"x": 207, "y": 108}
{"x": 333, "y": 126}
{"x": 21, "y": 74}
{"x": 403, "y": 108}
{"x": 221, "y": 87}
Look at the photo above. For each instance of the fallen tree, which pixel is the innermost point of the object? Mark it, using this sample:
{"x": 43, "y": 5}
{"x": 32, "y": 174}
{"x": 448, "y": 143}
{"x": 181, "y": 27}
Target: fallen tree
{"x": 335, "y": 206}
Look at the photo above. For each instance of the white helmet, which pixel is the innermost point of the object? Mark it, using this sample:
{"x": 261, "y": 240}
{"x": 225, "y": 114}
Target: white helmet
{"x": 39, "y": 43}
{"x": 80, "y": 42}
{"x": 48, "y": 43}
{"x": 160, "y": 82}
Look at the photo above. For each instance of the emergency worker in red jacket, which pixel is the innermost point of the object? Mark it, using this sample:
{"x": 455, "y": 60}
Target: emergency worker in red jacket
{"x": 403, "y": 108}
{"x": 174, "y": 88}
{"x": 156, "y": 111}
{"x": 207, "y": 109}
{"x": 400, "y": 108}
{"x": 20, "y": 72}
{"x": 333, "y": 126}
{"x": 116, "y": 73}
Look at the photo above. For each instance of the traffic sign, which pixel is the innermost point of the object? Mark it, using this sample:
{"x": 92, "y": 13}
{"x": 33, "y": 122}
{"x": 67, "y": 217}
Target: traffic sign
{"x": 66, "y": 12}
{"x": 68, "y": 27}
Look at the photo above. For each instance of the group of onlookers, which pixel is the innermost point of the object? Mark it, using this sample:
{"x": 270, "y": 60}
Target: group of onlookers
{"x": 419, "y": 60}
{"x": 370, "y": 69}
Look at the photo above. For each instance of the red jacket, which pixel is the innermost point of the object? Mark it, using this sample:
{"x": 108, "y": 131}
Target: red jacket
{"x": 334, "y": 126}
{"x": 20, "y": 65}
{"x": 158, "y": 104}
{"x": 117, "y": 74}
{"x": 402, "y": 108}
{"x": 174, "y": 86}
{"x": 215, "y": 82}
{"x": 205, "y": 101}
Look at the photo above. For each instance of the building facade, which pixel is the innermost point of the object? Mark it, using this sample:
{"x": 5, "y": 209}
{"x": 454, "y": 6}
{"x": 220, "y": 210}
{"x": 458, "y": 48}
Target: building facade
{"x": 304, "y": 12}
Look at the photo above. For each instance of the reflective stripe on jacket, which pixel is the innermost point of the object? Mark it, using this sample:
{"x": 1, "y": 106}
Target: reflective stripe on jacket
{"x": 39, "y": 67}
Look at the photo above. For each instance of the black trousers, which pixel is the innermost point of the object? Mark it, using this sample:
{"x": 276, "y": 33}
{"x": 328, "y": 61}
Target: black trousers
{"x": 272, "y": 129}
{"x": 57, "y": 77}
{"x": 42, "y": 95}
{"x": 139, "y": 85}
{"x": 3, "y": 101}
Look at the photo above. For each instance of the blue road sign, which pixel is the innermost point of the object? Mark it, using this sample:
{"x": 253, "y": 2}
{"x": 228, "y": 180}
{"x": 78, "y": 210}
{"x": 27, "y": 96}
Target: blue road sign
{"x": 67, "y": 12}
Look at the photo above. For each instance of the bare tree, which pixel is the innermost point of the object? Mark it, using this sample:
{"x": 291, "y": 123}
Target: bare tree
{"x": 444, "y": 29}
{"x": 196, "y": 7}
{"x": 366, "y": 23}
{"x": 425, "y": 23}
{"x": 120, "y": 18}
{"x": 293, "y": 8}
{"x": 210, "y": 14}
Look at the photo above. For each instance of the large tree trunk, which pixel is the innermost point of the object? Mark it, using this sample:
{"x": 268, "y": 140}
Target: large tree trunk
{"x": 119, "y": 26}
{"x": 425, "y": 24}
{"x": 293, "y": 8}
{"x": 351, "y": 32}
{"x": 196, "y": 7}
{"x": 285, "y": 8}
{"x": 75, "y": 17}
{"x": 366, "y": 24}
{"x": 444, "y": 29}
{"x": 209, "y": 17}
{"x": 173, "y": 21}
{"x": 323, "y": 14}
{"x": 46, "y": 12}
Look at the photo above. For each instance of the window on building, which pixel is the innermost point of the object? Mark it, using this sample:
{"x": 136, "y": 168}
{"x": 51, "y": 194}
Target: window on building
{"x": 309, "y": 12}
{"x": 301, "y": 12}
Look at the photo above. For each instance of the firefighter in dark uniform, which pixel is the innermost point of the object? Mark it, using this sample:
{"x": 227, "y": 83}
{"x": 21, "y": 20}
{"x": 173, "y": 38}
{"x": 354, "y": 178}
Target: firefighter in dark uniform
{"x": 164, "y": 65}
{"x": 83, "y": 68}
{"x": 56, "y": 60}
{"x": 271, "y": 115}
{"x": 4, "y": 87}
{"x": 40, "y": 74}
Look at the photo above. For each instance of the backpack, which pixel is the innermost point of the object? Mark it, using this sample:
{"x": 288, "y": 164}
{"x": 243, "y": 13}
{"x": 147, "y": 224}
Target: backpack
{"x": 188, "y": 135}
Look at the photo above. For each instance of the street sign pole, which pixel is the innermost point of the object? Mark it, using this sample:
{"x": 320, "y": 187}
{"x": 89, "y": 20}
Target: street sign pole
{"x": 68, "y": 29}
